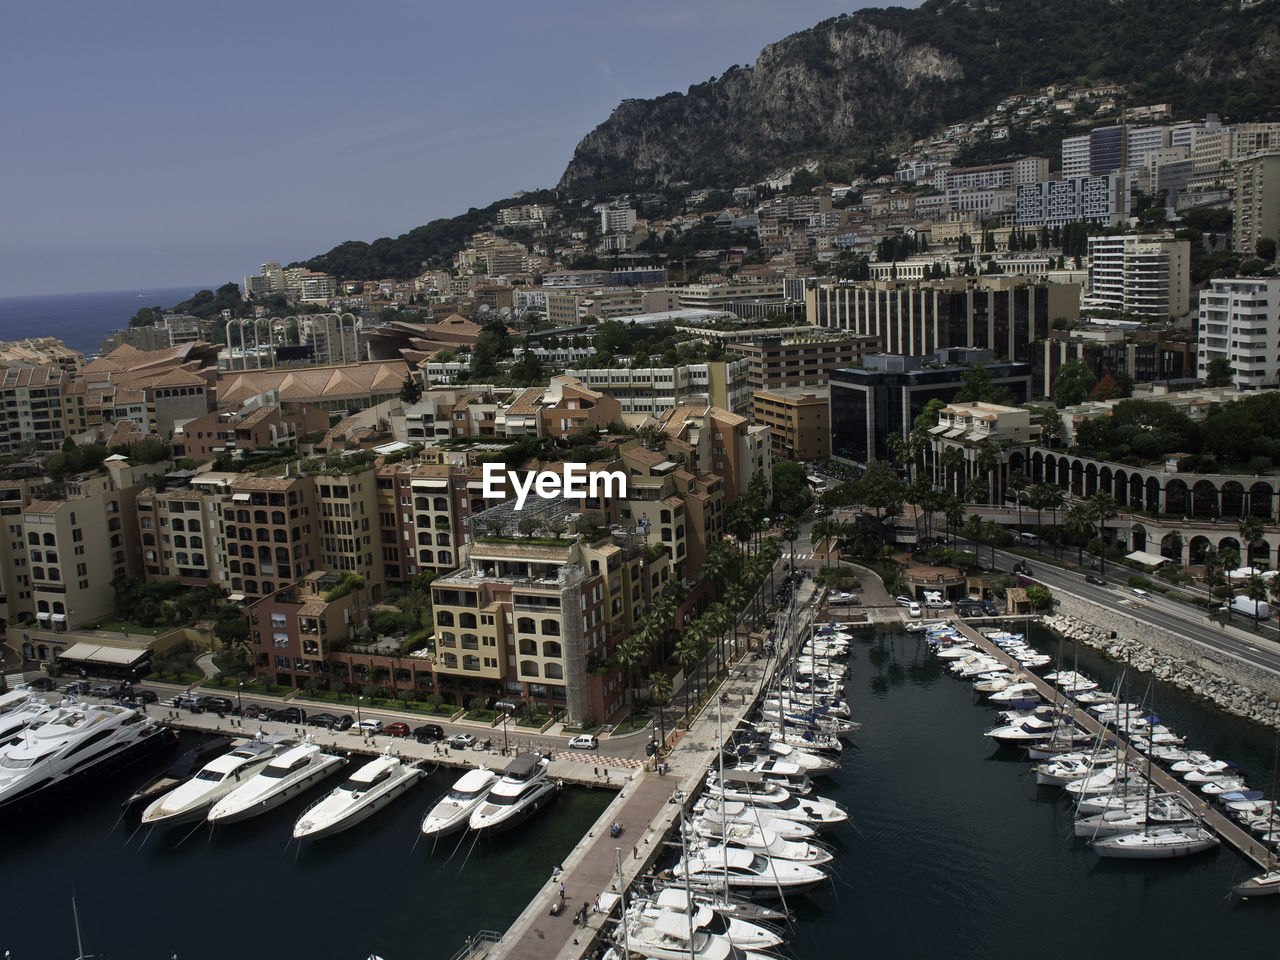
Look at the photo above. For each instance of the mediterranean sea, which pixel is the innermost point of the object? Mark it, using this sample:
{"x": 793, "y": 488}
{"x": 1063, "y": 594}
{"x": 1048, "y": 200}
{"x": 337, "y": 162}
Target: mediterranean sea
{"x": 82, "y": 320}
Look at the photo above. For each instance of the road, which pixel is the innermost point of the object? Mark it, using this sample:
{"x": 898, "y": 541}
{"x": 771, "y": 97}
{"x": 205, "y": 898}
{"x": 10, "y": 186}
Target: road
{"x": 1167, "y": 614}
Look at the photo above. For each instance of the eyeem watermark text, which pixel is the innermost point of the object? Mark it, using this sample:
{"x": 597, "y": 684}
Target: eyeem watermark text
{"x": 575, "y": 483}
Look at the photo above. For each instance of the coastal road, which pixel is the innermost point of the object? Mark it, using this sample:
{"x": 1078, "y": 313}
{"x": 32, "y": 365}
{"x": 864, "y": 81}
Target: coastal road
{"x": 1169, "y": 615}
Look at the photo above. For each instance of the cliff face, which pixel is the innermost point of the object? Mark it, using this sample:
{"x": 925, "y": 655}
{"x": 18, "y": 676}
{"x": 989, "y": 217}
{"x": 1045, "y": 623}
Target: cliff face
{"x": 851, "y": 83}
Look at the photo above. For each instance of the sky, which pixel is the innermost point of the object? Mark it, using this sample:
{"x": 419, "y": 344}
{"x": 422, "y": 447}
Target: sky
{"x": 161, "y": 143}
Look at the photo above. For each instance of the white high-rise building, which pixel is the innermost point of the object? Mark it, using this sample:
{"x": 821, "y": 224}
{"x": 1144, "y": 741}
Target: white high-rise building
{"x": 1143, "y": 275}
{"x": 1075, "y": 157}
{"x": 617, "y": 219}
{"x": 1240, "y": 323}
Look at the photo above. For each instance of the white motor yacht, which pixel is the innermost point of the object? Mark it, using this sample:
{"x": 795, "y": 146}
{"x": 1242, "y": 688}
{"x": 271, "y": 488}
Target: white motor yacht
{"x": 1158, "y": 844}
{"x": 192, "y": 800}
{"x": 743, "y": 934}
{"x": 452, "y": 812}
{"x": 814, "y": 764}
{"x": 664, "y": 935}
{"x": 956, "y": 651}
{"x": 1023, "y": 731}
{"x": 790, "y": 774}
{"x": 523, "y": 789}
{"x": 1015, "y": 692}
{"x": 805, "y": 739}
{"x": 778, "y": 802}
{"x": 71, "y": 743}
{"x": 17, "y": 719}
{"x": 286, "y": 776}
{"x": 1264, "y": 885}
{"x": 17, "y": 697}
{"x": 751, "y": 837}
{"x": 367, "y": 790}
{"x": 1068, "y": 768}
{"x": 751, "y": 873}
{"x": 710, "y": 822}
{"x": 1220, "y": 785}
{"x": 1205, "y": 772}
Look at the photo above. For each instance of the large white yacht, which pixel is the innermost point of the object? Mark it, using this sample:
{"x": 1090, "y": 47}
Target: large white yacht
{"x": 524, "y": 788}
{"x": 17, "y": 719}
{"x": 71, "y": 742}
{"x": 1159, "y": 844}
{"x": 284, "y": 777}
{"x": 453, "y": 811}
{"x": 743, "y": 934}
{"x": 370, "y": 788}
{"x": 754, "y": 874}
{"x": 192, "y": 800}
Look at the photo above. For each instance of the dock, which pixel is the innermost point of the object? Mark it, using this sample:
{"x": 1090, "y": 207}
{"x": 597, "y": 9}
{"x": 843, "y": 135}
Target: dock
{"x": 1214, "y": 819}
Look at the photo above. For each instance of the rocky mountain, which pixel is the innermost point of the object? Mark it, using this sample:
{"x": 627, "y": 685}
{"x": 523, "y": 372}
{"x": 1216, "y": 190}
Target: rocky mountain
{"x": 852, "y": 85}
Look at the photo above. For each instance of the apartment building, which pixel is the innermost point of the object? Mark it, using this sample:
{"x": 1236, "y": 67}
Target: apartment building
{"x": 1055, "y": 203}
{"x": 77, "y": 538}
{"x": 799, "y": 422}
{"x": 266, "y": 427}
{"x": 421, "y": 509}
{"x": 181, "y": 531}
{"x": 881, "y": 400}
{"x": 718, "y": 441}
{"x": 292, "y": 632}
{"x": 35, "y": 351}
{"x": 617, "y": 219}
{"x": 801, "y": 360}
{"x": 39, "y": 404}
{"x": 721, "y": 296}
{"x": 569, "y": 405}
{"x": 652, "y": 390}
{"x": 331, "y": 338}
{"x": 1146, "y": 275}
{"x": 15, "y": 578}
{"x": 272, "y": 529}
{"x": 1256, "y": 202}
{"x": 1003, "y": 314}
{"x": 1240, "y": 323}
{"x": 349, "y": 538}
{"x": 1144, "y": 355}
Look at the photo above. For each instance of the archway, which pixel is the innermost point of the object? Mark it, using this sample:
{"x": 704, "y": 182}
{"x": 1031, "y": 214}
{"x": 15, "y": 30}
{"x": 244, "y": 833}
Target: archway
{"x": 1122, "y": 488}
{"x": 1138, "y": 537}
{"x": 1177, "y": 501}
{"x": 1077, "y": 478}
{"x": 1261, "y": 496}
{"x": 1198, "y": 547}
{"x": 1260, "y": 554}
{"x": 1204, "y": 499}
{"x": 1232, "y": 499}
{"x": 1151, "y": 499}
{"x": 1171, "y": 546}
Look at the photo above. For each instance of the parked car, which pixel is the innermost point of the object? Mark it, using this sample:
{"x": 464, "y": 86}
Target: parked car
{"x": 1022, "y": 568}
{"x": 343, "y": 722}
{"x": 257, "y": 712}
{"x": 325, "y": 720}
{"x": 289, "y": 715}
{"x": 428, "y": 733}
{"x": 45, "y": 684}
{"x": 903, "y": 600}
{"x": 913, "y": 610}
{"x": 397, "y": 729}
{"x": 223, "y": 704}
{"x": 1139, "y": 592}
{"x": 145, "y": 696}
{"x": 584, "y": 741}
{"x": 969, "y": 608}
{"x": 370, "y": 725}
{"x": 989, "y": 608}
{"x": 1096, "y": 580}
{"x": 108, "y": 690}
{"x": 78, "y": 687}
{"x": 462, "y": 741}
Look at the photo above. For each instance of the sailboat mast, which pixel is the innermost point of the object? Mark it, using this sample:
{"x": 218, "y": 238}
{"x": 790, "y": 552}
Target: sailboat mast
{"x": 75, "y": 914}
{"x": 724, "y": 823}
{"x": 684, "y": 850}
{"x": 622, "y": 893}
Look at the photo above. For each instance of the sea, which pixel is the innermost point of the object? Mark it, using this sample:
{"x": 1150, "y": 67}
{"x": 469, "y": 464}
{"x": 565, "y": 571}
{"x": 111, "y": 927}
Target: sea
{"x": 82, "y": 320}
{"x": 952, "y": 851}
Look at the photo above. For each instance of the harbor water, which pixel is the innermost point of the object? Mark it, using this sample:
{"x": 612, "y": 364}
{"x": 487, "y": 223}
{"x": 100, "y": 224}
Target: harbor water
{"x": 953, "y": 851}
{"x": 248, "y": 891}
{"x": 958, "y": 853}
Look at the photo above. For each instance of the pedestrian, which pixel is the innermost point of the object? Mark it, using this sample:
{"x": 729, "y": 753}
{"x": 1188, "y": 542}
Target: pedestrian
{"x": 556, "y": 871}
{"x": 595, "y": 906}
{"x": 586, "y": 912}
{"x": 595, "y": 771}
{"x": 561, "y": 889}
{"x": 635, "y": 852}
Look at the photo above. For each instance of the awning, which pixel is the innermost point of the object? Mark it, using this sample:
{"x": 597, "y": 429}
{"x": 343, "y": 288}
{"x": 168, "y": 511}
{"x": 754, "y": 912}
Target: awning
{"x": 59, "y": 618}
{"x": 42, "y": 615}
{"x": 97, "y": 653}
{"x": 236, "y": 597}
{"x": 240, "y": 497}
{"x": 1149, "y": 559}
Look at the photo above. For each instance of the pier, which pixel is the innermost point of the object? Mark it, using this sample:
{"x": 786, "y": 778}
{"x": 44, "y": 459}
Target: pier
{"x": 1214, "y": 819}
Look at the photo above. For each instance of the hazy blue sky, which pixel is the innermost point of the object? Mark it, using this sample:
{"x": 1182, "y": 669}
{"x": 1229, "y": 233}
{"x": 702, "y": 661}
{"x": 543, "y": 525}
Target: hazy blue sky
{"x": 161, "y": 143}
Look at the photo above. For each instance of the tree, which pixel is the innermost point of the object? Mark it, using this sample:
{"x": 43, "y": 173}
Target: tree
{"x": 411, "y": 389}
{"x": 660, "y": 692}
{"x": 1102, "y": 508}
{"x": 231, "y": 628}
{"x": 1106, "y": 389}
{"x": 1251, "y": 530}
{"x": 1078, "y": 525}
{"x": 1219, "y": 373}
{"x": 1017, "y": 485}
{"x": 1265, "y": 248}
{"x": 1255, "y": 588}
{"x": 791, "y": 493}
{"x": 1039, "y": 597}
{"x": 1072, "y": 384}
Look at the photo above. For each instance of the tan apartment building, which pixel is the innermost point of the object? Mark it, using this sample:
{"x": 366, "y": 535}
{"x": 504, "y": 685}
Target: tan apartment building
{"x": 569, "y": 405}
{"x": 719, "y": 442}
{"x": 292, "y": 632}
{"x": 800, "y": 360}
{"x": 15, "y": 578}
{"x": 38, "y": 404}
{"x": 799, "y": 422}
{"x": 1256, "y": 202}
{"x": 272, "y": 528}
{"x": 268, "y": 427}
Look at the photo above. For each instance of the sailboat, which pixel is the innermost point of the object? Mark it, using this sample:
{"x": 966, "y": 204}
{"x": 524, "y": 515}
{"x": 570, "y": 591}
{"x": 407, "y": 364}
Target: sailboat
{"x": 1161, "y": 843}
{"x": 1267, "y": 883}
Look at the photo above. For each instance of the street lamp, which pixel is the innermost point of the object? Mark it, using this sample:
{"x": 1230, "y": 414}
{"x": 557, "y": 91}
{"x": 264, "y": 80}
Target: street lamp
{"x": 505, "y": 714}
{"x": 358, "y": 720}
{"x": 239, "y": 703}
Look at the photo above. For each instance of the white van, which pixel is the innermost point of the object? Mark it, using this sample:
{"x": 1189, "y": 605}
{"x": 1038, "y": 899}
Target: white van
{"x": 1028, "y": 539}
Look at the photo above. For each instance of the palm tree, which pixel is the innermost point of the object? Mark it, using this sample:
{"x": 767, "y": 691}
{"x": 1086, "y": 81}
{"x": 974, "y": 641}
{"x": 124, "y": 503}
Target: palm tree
{"x": 1251, "y": 529}
{"x": 987, "y": 460}
{"x": 1055, "y": 500}
{"x": 954, "y": 513}
{"x": 1210, "y": 562}
{"x": 660, "y": 691}
{"x": 1255, "y": 588}
{"x": 1078, "y": 524}
{"x": 688, "y": 652}
{"x": 1038, "y": 498}
{"x": 952, "y": 463}
{"x": 1275, "y": 597}
{"x": 1229, "y": 557}
{"x": 990, "y": 534}
{"x": 790, "y": 533}
{"x": 1017, "y": 485}
{"x": 1102, "y": 507}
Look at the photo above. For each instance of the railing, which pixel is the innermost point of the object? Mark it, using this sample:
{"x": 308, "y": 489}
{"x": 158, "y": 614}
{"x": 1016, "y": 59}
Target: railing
{"x": 477, "y": 945}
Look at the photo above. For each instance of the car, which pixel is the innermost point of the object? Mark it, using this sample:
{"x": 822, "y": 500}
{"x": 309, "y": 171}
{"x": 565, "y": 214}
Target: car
{"x": 938, "y": 603}
{"x": 107, "y": 690}
{"x": 1139, "y": 592}
{"x": 190, "y": 701}
{"x": 288, "y": 715}
{"x": 78, "y": 687}
{"x": 969, "y": 608}
{"x": 325, "y": 720}
{"x": 903, "y": 600}
{"x": 219, "y": 704}
{"x": 989, "y": 608}
{"x": 397, "y": 729}
{"x": 45, "y": 684}
{"x": 257, "y": 712}
{"x": 913, "y": 610}
{"x": 343, "y": 722}
{"x": 369, "y": 725}
{"x": 1022, "y": 568}
{"x": 145, "y": 696}
{"x": 462, "y": 741}
{"x": 1096, "y": 580}
{"x": 584, "y": 741}
{"x": 428, "y": 733}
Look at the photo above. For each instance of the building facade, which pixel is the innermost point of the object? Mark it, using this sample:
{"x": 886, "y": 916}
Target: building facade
{"x": 1142, "y": 275}
{"x": 799, "y": 422}
{"x": 1240, "y": 323}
